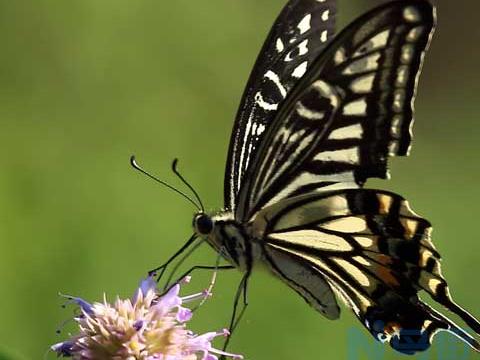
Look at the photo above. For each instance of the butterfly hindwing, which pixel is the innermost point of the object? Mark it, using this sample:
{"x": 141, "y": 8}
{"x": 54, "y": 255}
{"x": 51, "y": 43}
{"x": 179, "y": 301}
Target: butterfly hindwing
{"x": 350, "y": 111}
{"x": 309, "y": 283}
{"x": 375, "y": 252}
{"x": 298, "y": 35}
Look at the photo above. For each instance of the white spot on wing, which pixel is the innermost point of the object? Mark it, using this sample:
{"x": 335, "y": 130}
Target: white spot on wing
{"x": 300, "y": 70}
{"x": 340, "y": 56}
{"x": 350, "y": 156}
{"x": 364, "y": 64}
{"x": 304, "y": 24}
{"x": 398, "y": 100}
{"x": 378, "y": 41}
{"x": 347, "y": 132}
{"x": 402, "y": 75}
{"x": 324, "y": 36}
{"x": 358, "y": 107}
{"x": 415, "y": 33}
{"x": 303, "y": 47}
{"x": 363, "y": 84}
{"x": 257, "y": 129}
{"x": 407, "y": 54}
{"x": 280, "y": 46}
{"x": 315, "y": 239}
{"x": 326, "y": 15}
{"x": 349, "y": 225}
{"x": 260, "y": 129}
{"x": 411, "y": 14}
{"x": 254, "y": 128}
{"x": 393, "y": 148}
{"x": 362, "y": 260}
{"x": 364, "y": 241}
{"x": 302, "y": 50}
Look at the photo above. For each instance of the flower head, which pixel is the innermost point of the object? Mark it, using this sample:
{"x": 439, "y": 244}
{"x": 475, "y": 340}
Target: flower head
{"x": 146, "y": 327}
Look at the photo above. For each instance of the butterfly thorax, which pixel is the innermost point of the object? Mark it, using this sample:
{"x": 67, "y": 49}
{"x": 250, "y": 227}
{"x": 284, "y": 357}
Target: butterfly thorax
{"x": 229, "y": 238}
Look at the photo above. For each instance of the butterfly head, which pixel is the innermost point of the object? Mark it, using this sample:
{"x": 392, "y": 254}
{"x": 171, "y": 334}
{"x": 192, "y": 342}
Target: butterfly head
{"x": 203, "y": 224}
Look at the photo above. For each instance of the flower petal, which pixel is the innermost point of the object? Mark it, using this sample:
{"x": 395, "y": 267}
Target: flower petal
{"x": 170, "y": 299}
{"x": 202, "y": 342}
{"x": 146, "y": 285}
{"x": 84, "y": 305}
{"x": 184, "y": 314}
{"x": 63, "y": 348}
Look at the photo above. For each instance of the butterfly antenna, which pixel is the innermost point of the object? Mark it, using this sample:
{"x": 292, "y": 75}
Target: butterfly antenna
{"x": 174, "y": 168}
{"x": 137, "y": 167}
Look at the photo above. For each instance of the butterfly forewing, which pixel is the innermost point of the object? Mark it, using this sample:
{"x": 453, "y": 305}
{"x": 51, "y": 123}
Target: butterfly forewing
{"x": 349, "y": 113}
{"x": 374, "y": 250}
{"x": 298, "y": 35}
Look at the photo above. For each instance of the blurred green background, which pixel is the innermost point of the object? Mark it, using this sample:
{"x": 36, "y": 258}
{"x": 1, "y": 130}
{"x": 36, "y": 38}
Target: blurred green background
{"x": 86, "y": 83}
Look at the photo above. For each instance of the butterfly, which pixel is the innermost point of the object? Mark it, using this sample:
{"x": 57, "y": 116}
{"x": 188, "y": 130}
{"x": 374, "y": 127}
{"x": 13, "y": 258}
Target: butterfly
{"x": 321, "y": 114}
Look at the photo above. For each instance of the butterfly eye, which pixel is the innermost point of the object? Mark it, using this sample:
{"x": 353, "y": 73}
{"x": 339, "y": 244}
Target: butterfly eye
{"x": 203, "y": 224}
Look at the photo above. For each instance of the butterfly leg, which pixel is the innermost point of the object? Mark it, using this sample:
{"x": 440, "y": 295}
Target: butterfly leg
{"x": 199, "y": 267}
{"x": 179, "y": 263}
{"x": 163, "y": 268}
{"x": 235, "y": 320}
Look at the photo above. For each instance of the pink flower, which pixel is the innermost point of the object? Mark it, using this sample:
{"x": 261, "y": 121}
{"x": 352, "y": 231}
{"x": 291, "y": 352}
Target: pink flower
{"x": 146, "y": 327}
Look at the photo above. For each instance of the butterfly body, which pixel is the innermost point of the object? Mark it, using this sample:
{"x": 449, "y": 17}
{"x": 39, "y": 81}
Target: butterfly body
{"x": 229, "y": 238}
{"x": 318, "y": 118}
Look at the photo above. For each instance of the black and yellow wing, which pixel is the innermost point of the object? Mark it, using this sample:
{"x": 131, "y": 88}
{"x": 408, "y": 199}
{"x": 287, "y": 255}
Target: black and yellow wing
{"x": 350, "y": 112}
{"x": 375, "y": 252}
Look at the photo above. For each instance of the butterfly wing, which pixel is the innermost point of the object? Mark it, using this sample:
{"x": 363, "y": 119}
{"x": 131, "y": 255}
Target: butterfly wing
{"x": 309, "y": 283}
{"x": 298, "y": 35}
{"x": 350, "y": 111}
{"x": 374, "y": 251}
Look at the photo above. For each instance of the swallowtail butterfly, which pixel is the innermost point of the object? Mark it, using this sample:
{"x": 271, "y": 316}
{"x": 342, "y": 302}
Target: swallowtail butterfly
{"x": 320, "y": 115}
